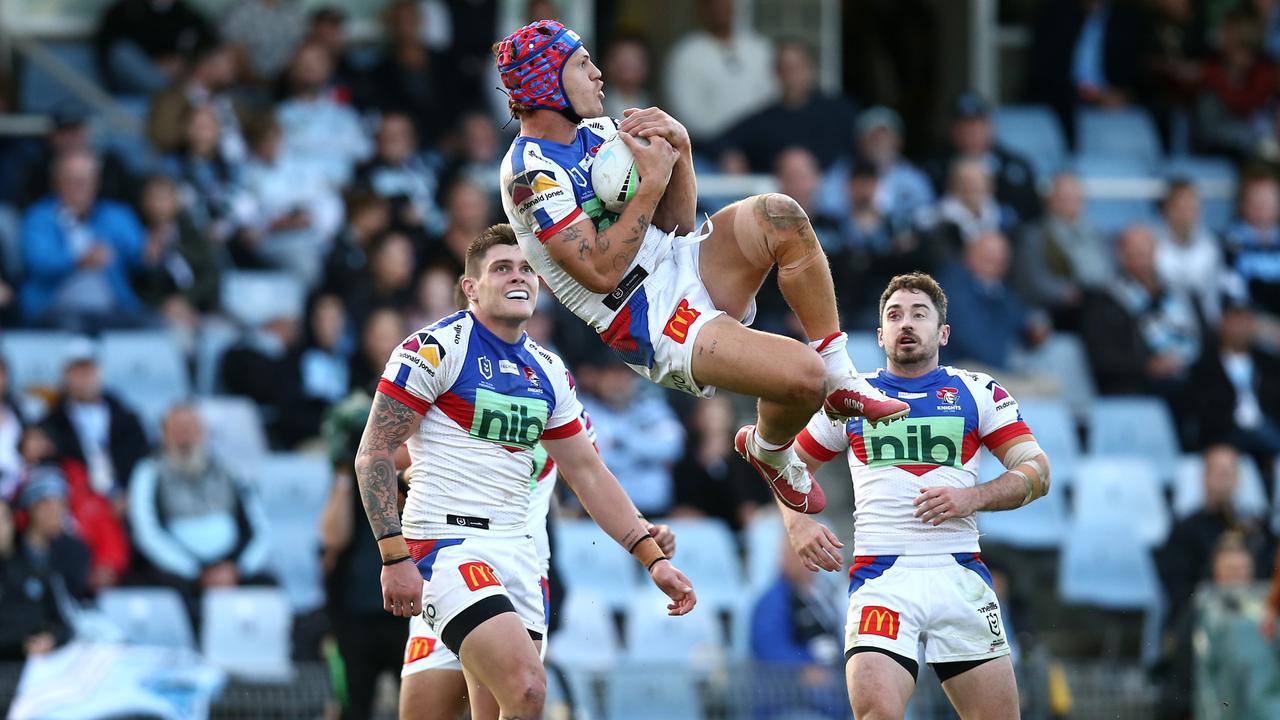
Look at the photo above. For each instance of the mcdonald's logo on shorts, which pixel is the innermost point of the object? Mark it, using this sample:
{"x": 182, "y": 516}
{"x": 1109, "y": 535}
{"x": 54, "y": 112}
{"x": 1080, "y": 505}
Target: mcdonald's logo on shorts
{"x": 419, "y": 648}
{"x": 678, "y": 326}
{"x": 477, "y": 575}
{"x": 878, "y": 620}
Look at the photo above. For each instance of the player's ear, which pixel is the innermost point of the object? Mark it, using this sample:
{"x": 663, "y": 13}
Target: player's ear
{"x": 944, "y": 334}
{"x": 469, "y": 289}
{"x": 880, "y": 337}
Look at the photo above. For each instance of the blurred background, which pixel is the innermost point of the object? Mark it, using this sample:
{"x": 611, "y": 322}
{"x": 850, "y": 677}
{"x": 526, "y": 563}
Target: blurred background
{"x": 218, "y": 217}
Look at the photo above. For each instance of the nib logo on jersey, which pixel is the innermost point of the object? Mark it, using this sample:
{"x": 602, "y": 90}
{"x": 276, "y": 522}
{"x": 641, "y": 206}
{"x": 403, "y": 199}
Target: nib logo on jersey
{"x": 916, "y": 445}
{"x": 508, "y": 420}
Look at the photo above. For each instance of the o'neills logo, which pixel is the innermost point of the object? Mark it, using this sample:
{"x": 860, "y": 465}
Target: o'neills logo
{"x": 879, "y": 620}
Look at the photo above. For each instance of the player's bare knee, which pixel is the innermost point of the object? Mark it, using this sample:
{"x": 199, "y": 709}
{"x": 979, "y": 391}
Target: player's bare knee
{"x": 807, "y": 380}
{"x": 531, "y": 696}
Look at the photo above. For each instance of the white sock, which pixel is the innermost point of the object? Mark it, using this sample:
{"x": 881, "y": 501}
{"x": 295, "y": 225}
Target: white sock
{"x": 773, "y": 453}
{"x": 834, "y": 356}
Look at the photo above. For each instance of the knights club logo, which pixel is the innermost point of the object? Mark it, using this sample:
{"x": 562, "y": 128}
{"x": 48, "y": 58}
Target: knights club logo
{"x": 532, "y": 377}
{"x": 948, "y": 395}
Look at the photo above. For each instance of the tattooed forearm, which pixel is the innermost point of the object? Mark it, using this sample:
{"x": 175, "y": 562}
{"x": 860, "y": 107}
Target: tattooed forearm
{"x": 390, "y": 424}
{"x": 622, "y": 260}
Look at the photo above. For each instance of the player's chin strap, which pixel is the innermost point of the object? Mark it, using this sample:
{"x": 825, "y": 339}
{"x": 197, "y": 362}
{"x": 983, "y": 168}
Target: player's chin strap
{"x": 1027, "y": 461}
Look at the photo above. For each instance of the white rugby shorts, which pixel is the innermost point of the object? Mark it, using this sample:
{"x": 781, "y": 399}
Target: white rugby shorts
{"x": 656, "y": 329}
{"x": 945, "y": 601}
{"x": 464, "y": 576}
{"x": 424, "y": 651}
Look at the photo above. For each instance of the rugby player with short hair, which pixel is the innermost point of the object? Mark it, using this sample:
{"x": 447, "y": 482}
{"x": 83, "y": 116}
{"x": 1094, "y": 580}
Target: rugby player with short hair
{"x": 472, "y": 395}
{"x": 672, "y": 301}
{"x": 917, "y": 574}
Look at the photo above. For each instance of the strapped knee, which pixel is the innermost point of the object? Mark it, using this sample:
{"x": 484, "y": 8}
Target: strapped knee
{"x": 779, "y": 234}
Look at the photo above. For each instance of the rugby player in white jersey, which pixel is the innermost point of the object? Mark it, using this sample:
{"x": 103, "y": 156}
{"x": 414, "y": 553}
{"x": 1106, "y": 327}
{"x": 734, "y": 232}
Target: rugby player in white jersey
{"x": 917, "y": 574}
{"x": 432, "y": 685}
{"x": 674, "y": 303}
{"x": 472, "y": 395}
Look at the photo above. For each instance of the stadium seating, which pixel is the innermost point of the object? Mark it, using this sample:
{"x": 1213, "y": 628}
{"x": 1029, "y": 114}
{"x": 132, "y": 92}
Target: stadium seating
{"x": 1104, "y": 564}
{"x": 1033, "y": 131}
{"x": 253, "y": 297}
{"x": 10, "y": 241}
{"x": 1250, "y": 498}
{"x": 1135, "y": 426}
{"x": 709, "y": 558}
{"x": 656, "y": 639}
{"x": 865, "y": 351}
{"x": 1122, "y": 490}
{"x": 235, "y": 432}
{"x": 216, "y": 336}
{"x": 589, "y": 560}
{"x": 34, "y": 357}
{"x": 149, "y": 616}
{"x": 587, "y": 640}
{"x": 1038, "y": 526}
{"x": 293, "y": 488}
{"x": 146, "y": 370}
{"x": 762, "y": 538}
{"x": 641, "y": 691}
{"x": 41, "y": 92}
{"x": 1111, "y": 133}
{"x": 1216, "y": 180}
{"x": 246, "y": 631}
{"x": 1063, "y": 356}
{"x": 1114, "y": 187}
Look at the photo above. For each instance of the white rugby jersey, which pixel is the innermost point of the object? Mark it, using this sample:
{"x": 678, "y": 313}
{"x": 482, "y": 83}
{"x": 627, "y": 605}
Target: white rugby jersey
{"x": 953, "y": 411}
{"x": 546, "y": 187}
{"x": 485, "y": 403}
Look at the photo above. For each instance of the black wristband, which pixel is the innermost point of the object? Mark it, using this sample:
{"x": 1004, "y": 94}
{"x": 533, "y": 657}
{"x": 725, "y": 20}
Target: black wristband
{"x": 387, "y": 563}
{"x": 655, "y": 562}
{"x": 390, "y": 535}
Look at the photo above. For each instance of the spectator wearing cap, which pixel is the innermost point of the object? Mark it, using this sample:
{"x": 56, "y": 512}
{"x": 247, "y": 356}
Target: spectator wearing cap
{"x": 719, "y": 74}
{"x": 800, "y": 117}
{"x": 213, "y": 73}
{"x": 29, "y": 601}
{"x": 1237, "y": 388}
{"x": 91, "y": 426}
{"x": 1062, "y": 256}
{"x": 68, "y": 134}
{"x": 902, "y": 188}
{"x": 972, "y": 135}
{"x": 142, "y": 45}
{"x": 196, "y": 525}
{"x": 78, "y": 251}
{"x": 1188, "y": 255}
{"x": 267, "y": 33}
{"x": 47, "y": 541}
{"x": 873, "y": 247}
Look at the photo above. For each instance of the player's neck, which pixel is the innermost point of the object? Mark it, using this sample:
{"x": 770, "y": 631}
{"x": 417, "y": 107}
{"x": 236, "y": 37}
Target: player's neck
{"x": 509, "y": 331}
{"x": 914, "y": 370}
{"x": 548, "y": 125}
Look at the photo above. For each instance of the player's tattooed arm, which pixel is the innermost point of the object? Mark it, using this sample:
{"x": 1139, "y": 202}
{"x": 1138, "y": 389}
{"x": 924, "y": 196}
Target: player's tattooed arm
{"x": 390, "y": 424}
{"x": 622, "y": 260}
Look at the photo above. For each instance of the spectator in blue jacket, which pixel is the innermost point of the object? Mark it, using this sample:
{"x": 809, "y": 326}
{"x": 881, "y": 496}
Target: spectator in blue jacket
{"x": 77, "y": 253}
{"x": 796, "y": 626}
{"x": 989, "y": 322}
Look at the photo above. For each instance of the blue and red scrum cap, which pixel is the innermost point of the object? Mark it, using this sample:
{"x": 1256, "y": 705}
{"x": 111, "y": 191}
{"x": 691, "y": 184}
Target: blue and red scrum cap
{"x": 531, "y": 61}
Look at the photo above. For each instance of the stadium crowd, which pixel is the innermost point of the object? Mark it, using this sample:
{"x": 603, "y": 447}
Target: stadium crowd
{"x": 362, "y": 173}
